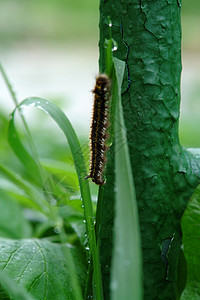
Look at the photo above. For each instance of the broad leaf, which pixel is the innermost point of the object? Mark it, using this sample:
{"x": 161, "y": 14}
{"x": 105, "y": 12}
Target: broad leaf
{"x": 42, "y": 268}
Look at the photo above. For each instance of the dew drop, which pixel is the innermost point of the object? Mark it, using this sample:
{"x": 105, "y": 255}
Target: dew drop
{"x": 114, "y": 284}
{"x": 115, "y": 189}
{"x": 57, "y": 229}
{"x": 127, "y": 262}
{"x": 22, "y": 192}
{"x": 53, "y": 202}
{"x": 114, "y": 45}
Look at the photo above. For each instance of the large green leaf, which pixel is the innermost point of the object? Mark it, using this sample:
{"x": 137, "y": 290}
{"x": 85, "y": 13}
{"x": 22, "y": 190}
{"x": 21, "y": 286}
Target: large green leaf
{"x": 126, "y": 281}
{"x": 41, "y": 267}
{"x": 191, "y": 244}
{"x": 12, "y": 221}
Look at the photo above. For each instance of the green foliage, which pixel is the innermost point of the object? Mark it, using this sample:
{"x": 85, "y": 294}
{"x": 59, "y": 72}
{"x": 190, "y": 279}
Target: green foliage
{"x": 67, "y": 129}
{"x": 191, "y": 244}
{"x": 40, "y": 202}
{"x": 55, "y": 229}
{"x": 47, "y": 227}
{"x": 41, "y": 267}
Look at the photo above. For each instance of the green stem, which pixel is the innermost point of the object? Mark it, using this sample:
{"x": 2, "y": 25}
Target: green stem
{"x": 96, "y": 262}
{"x": 12, "y": 93}
{"x": 108, "y": 57}
{"x": 98, "y": 212}
{"x": 88, "y": 286}
{"x": 90, "y": 269}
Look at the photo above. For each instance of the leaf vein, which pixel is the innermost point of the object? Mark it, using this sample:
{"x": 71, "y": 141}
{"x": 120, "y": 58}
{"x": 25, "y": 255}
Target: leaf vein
{"x": 11, "y": 256}
{"x": 20, "y": 276}
{"x": 45, "y": 271}
{"x": 35, "y": 280}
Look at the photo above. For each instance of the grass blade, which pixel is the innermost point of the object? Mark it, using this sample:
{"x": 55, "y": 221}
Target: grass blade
{"x": 31, "y": 167}
{"x": 126, "y": 278}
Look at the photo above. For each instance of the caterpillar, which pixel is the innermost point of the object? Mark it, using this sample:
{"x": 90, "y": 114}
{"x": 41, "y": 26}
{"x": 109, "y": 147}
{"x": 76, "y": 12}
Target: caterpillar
{"x": 99, "y": 125}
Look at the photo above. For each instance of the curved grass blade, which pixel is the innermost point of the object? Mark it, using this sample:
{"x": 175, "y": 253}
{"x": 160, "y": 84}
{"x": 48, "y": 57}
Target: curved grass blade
{"x": 30, "y": 166}
{"x": 126, "y": 279}
{"x": 62, "y": 121}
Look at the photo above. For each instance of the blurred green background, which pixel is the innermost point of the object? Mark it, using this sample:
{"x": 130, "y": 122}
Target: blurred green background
{"x": 52, "y": 20}
{"x": 50, "y": 49}
{"x": 190, "y": 105}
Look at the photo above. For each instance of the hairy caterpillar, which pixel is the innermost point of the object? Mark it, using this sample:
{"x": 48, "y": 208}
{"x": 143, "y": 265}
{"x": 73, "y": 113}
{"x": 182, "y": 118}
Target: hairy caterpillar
{"x": 99, "y": 125}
